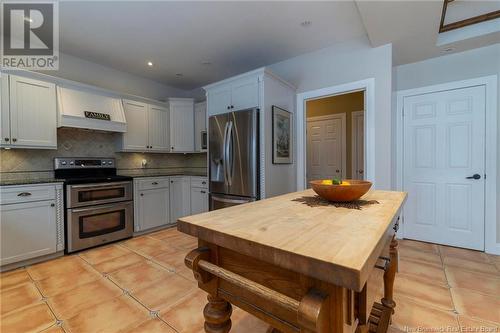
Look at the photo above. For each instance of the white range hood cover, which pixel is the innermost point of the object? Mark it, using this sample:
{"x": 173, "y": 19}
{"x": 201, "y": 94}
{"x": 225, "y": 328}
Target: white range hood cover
{"x": 75, "y": 102}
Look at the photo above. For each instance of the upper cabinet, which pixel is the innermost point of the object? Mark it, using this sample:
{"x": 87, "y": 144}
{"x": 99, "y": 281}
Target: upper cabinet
{"x": 181, "y": 124}
{"x": 233, "y": 94}
{"x": 28, "y": 113}
{"x": 147, "y": 127}
{"x": 200, "y": 126}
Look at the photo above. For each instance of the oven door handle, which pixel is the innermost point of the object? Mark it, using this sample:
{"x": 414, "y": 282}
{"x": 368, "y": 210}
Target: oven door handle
{"x": 114, "y": 184}
{"x": 117, "y": 205}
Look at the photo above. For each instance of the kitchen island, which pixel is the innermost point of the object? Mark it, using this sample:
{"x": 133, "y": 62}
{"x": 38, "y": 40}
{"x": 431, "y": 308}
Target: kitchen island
{"x": 299, "y": 263}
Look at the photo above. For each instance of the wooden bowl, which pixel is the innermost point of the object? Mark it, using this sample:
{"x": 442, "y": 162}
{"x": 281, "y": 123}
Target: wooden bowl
{"x": 341, "y": 193}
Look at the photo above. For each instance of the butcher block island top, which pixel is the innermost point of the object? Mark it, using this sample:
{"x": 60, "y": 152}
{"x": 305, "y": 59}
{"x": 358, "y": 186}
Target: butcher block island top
{"x": 299, "y": 263}
{"x": 335, "y": 243}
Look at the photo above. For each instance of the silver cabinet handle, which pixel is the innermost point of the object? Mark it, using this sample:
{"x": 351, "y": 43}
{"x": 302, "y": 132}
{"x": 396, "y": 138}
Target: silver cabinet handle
{"x": 24, "y": 194}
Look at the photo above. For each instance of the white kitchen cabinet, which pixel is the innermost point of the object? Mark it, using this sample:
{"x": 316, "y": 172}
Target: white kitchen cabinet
{"x": 233, "y": 94}
{"x": 199, "y": 195}
{"x": 136, "y": 137}
{"x": 147, "y": 127}
{"x": 151, "y": 202}
{"x": 181, "y": 124}
{"x": 245, "y": 94}
{"x": 180, "y": 197}
{"x": 200, "y": 124}
{"x": 158, "y": 128}
{"x": 219, "y": 100}
{"x": 29, "y": 113}
{"x": 30, "y": 227}
{"x": 153, "y": 208}
{"x": 199, "y": 200}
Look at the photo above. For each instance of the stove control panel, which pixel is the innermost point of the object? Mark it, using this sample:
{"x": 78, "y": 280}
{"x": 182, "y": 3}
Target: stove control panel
{"x": 83, "y": 163}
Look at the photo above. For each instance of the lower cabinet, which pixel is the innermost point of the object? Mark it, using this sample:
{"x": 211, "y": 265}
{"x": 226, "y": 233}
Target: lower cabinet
{"x": 180, "y": 197}
{"x": 152, "y": 209}
{"x": 31, "y": 222}
{"x": 151, "y": 202}
{"x": 199, "y": 200}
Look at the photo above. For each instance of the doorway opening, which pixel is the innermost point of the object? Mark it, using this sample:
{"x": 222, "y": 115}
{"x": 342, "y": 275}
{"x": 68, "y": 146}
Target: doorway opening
{"x": 335, "y": 136}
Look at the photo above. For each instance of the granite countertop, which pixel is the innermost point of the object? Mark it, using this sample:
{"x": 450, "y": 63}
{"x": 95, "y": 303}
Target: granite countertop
{"x": 135, "y": 174}
{"x": 27, "y": 181}
{"x": 158, "y": 173}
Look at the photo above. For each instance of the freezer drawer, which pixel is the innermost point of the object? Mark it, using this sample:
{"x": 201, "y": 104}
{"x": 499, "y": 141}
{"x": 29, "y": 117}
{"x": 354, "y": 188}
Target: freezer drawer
{"x": 219, "y": 201}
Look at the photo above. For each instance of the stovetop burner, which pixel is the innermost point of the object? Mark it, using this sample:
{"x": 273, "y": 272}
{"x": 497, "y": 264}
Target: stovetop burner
{"x": 87, "y": 170}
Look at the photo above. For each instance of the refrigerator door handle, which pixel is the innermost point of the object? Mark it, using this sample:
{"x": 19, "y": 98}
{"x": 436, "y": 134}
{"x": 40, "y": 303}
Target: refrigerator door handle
{"x": 224, "y": 154}
{"x": 230, "y": 161}
{"x": 232, "y": 201}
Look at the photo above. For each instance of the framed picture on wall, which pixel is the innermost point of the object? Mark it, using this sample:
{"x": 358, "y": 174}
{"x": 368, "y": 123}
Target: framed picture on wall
{"x": 282, "y": 136}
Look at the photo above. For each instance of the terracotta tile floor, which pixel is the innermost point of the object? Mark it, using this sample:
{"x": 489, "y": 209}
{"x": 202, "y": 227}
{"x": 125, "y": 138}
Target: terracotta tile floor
{"x": 142, "y": 285}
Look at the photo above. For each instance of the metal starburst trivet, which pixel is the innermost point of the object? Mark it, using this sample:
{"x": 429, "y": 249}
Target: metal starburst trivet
{"x": 317, "y": 201}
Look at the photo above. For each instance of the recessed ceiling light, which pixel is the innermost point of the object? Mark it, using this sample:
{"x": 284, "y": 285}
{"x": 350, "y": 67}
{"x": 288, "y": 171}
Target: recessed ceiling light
{"x": 150, "y": 63}
{"x": 179, "y": 75}
{"x": 306, "y": 23}
{"x": 28, "y": 19}
{"x": 448, "y": 49}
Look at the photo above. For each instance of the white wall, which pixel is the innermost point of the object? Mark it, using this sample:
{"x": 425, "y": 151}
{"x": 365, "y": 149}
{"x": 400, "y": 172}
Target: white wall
{"x": 77, "y": 69}
{"x": 348, "y": 63}
{"x": 455, "y": 67}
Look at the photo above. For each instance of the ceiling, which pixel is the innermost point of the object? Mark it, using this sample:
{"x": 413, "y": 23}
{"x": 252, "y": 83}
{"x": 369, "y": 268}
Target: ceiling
{"x": 208, "y": 41}
{"x": 412, "y": 27}
{"x": 178, "y": 37}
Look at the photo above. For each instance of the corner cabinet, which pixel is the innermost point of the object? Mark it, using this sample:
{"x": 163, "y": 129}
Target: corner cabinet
{"x": 147, "y": 127}
{"x": 28, "y": 113}
{"x": 181, "y": 125}
{"x": 151, "y": 203}
{"x": 31, "y": 222}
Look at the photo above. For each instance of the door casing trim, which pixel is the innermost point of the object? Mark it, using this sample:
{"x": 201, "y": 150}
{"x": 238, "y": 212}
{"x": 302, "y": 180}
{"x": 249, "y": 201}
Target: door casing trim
{"x": 491, "y": 101}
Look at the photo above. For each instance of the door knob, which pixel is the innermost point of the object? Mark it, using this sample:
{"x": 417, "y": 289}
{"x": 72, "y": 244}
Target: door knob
{"x": 476, "y": 176}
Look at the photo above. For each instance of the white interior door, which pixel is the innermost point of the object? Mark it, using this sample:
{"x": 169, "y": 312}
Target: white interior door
{"x": 358, "y": 145}
{"x": 444, "y": 145}
{"x": 326, "y": 147}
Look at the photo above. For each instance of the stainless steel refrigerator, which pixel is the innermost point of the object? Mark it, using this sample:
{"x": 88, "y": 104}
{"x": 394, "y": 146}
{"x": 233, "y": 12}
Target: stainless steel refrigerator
{"x": 233, "y": 158}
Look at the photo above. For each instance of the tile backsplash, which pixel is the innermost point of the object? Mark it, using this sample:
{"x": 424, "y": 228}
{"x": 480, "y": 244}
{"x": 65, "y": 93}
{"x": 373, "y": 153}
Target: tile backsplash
{"x": 83, "y": 143}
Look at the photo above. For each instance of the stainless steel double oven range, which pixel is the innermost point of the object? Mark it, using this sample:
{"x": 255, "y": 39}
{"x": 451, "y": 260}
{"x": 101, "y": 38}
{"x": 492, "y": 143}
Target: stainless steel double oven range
{"x": 98, "y": 202}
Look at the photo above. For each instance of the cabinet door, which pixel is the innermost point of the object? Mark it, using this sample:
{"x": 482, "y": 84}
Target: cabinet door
{"x": 33, "y": 113}
{"x": 4, "y": 110}
{"x": 158, "y": 128}
{"x": 199, "y": 200}
{"x": 200, "y": 123}
{"x": 28, "y": 230}
{"x": 219, "y": 100}
{"x": 180, "y": 197}
{"x": 245, "y": 94}
{"x": 136, "y": 137}
{"x": 153, "y": 208}
{"x": 182, "y": 127}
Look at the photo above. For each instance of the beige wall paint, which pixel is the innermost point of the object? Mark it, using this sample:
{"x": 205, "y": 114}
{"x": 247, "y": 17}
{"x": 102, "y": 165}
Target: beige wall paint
{"x": 345, "y": 103}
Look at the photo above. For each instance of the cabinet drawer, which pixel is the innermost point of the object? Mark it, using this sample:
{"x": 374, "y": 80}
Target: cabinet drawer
{"x": 151, "y": 183}
{"x": 20, "y": 194}
{"x": 201, "y": 182}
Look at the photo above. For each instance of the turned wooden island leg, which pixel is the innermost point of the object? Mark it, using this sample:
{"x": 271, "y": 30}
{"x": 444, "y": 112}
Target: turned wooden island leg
{"x": 217, "y": 315}
{"x": 390, "y": 274}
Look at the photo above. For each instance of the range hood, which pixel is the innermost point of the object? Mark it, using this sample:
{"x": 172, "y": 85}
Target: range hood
{"x": 88, "y": 109}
